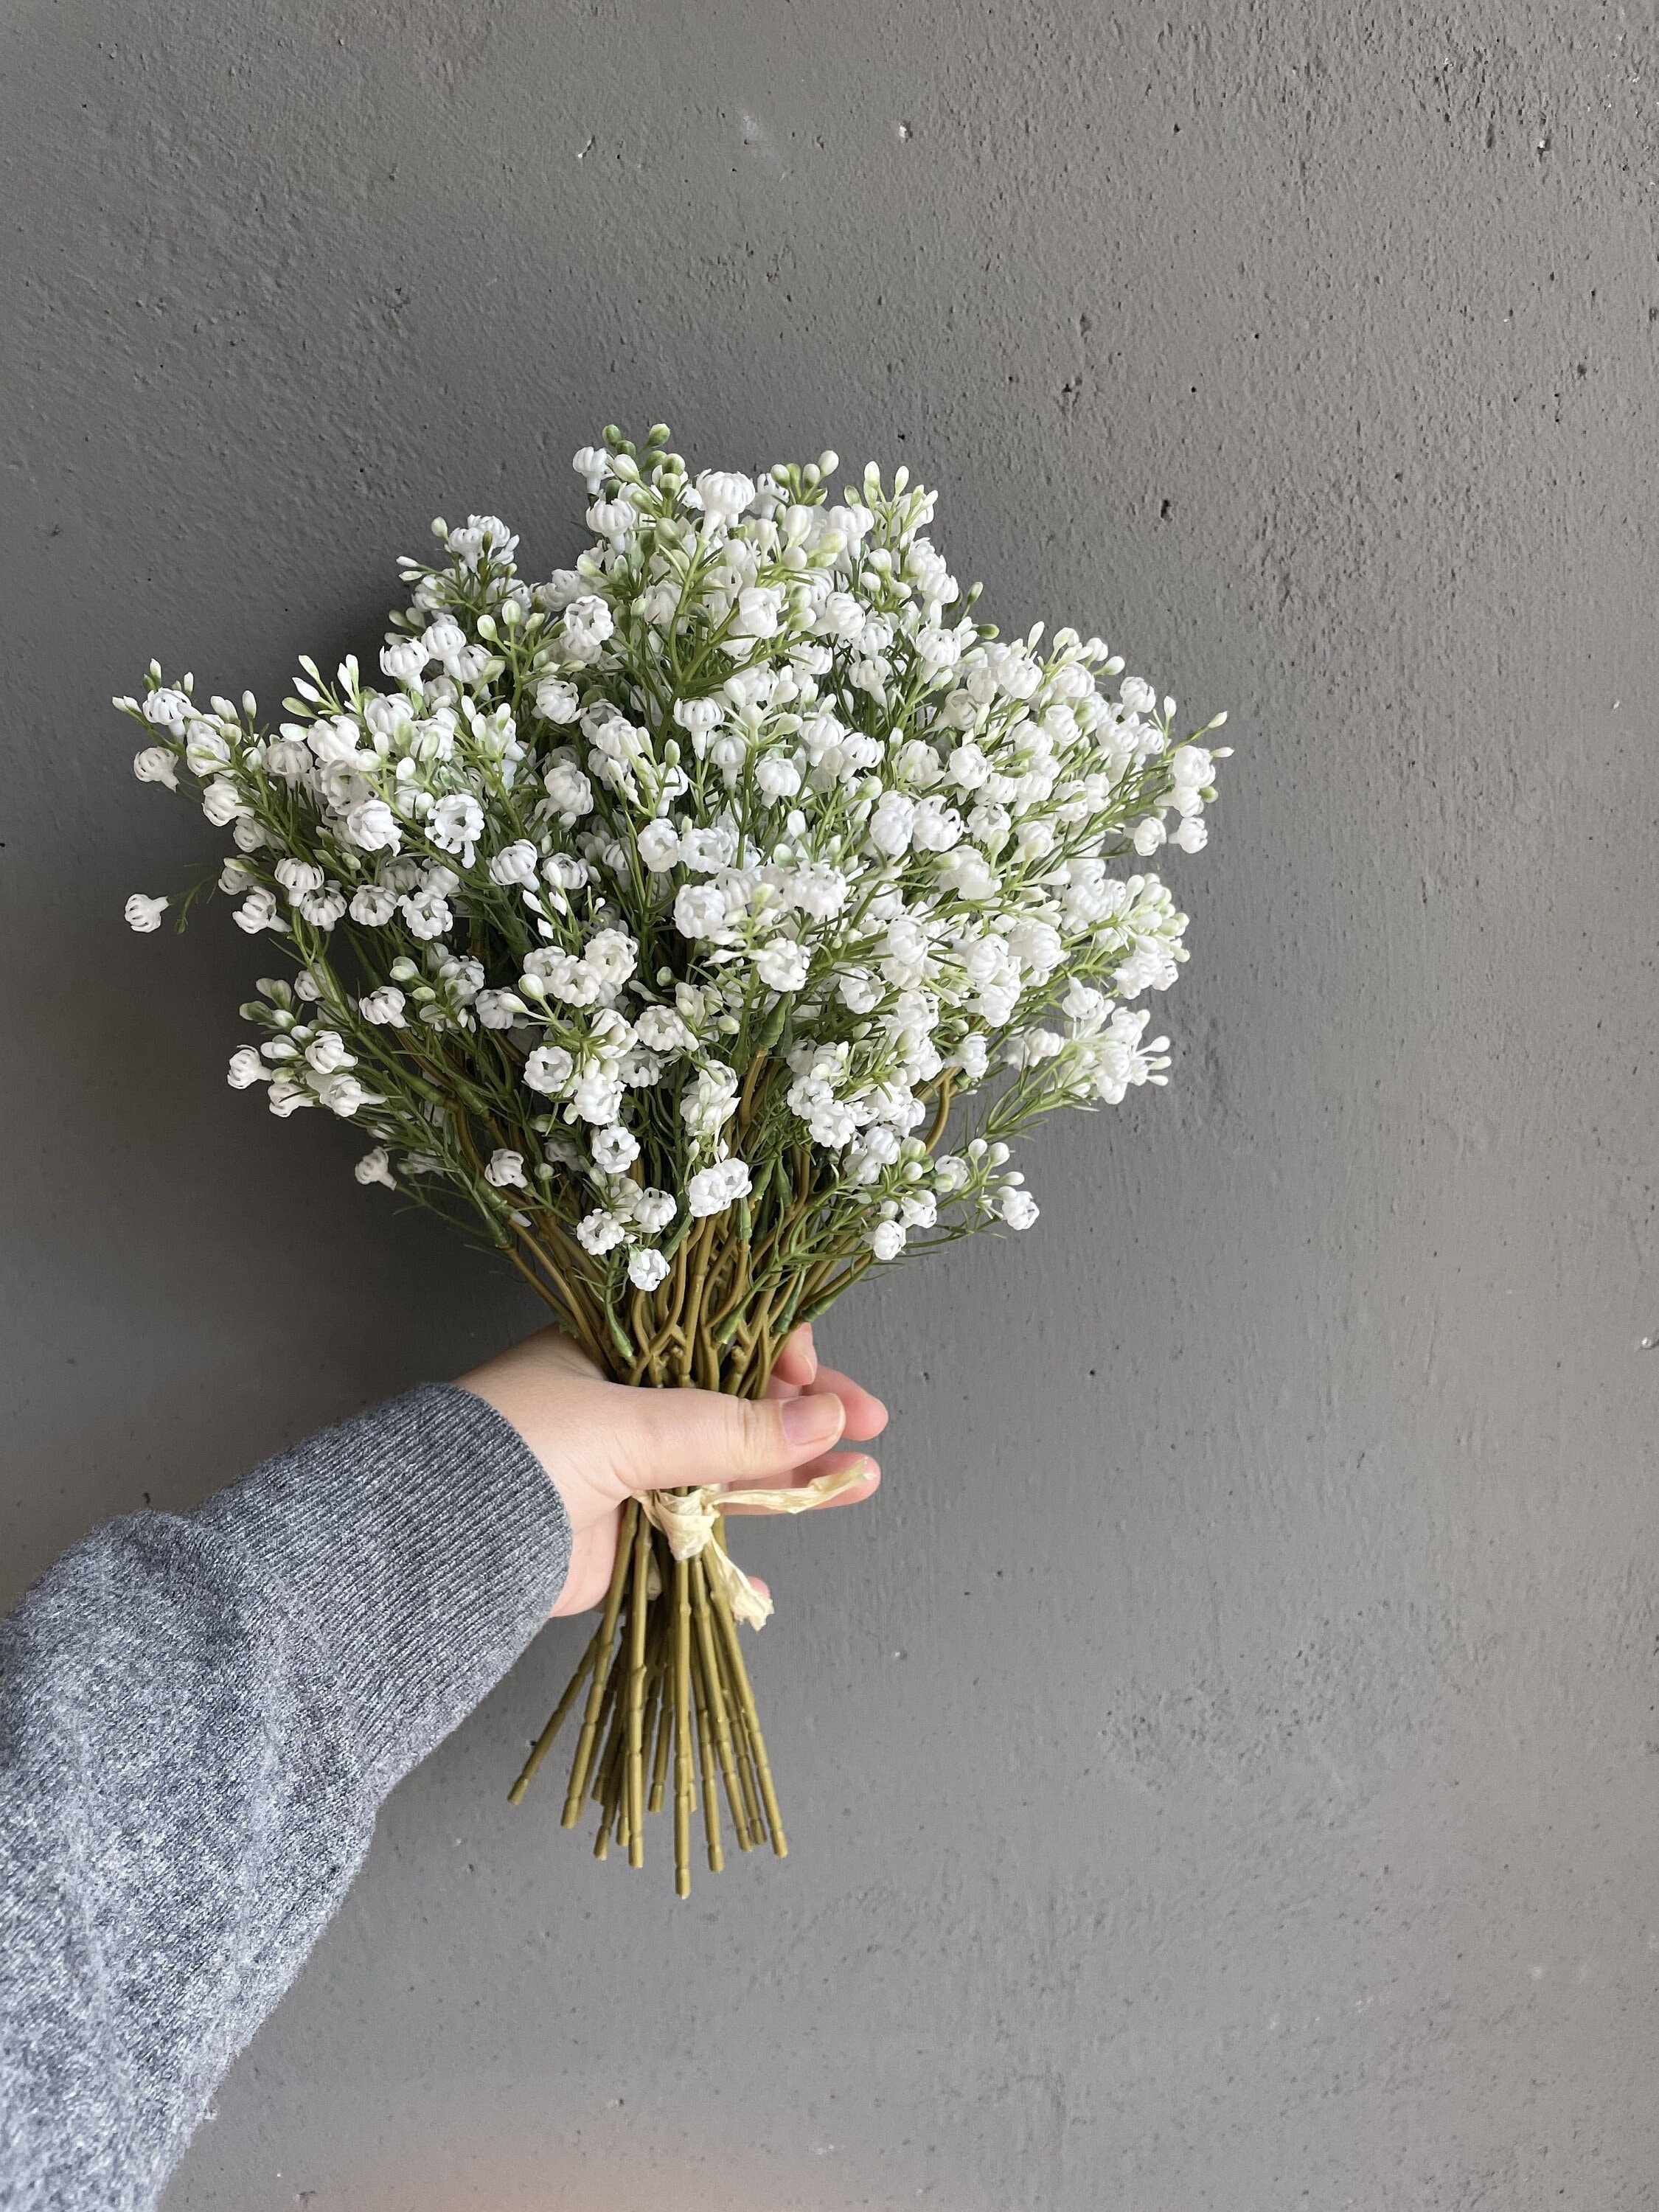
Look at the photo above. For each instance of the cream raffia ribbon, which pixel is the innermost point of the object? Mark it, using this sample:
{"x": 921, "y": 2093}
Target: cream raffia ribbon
{"x": 687, "y": 1519}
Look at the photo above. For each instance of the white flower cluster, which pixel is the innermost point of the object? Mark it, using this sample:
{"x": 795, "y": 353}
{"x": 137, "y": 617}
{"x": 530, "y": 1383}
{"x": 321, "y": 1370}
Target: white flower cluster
{"x": 715, "y": 872}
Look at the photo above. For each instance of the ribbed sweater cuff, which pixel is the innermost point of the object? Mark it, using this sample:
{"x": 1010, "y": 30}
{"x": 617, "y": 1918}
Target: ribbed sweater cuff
{"x": 422, "y": 1545}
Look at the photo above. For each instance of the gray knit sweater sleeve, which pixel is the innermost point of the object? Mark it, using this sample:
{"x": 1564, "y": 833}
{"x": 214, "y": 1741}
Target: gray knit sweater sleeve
{"x": 199, "y": 1716}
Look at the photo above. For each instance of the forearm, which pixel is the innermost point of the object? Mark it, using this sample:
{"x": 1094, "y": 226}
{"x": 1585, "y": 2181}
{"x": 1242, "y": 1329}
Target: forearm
{"x": 199, "y": 1716}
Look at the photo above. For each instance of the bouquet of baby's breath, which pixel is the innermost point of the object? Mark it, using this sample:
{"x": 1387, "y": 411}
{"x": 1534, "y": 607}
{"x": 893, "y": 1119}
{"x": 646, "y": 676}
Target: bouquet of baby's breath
{"x": 701, "y": 923}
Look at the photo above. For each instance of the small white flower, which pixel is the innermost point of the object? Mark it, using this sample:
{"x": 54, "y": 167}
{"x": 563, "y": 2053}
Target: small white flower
{"x": 710, "y": 1102}
{"x": 372, "y": 906}
{"x": 712, "y": 1190}
{"x": 297, "y": 878}
{"x": 590, "y": 463}
{"x": 328, "y": 1051}
{"x": 587, "y": 621}
{"x": 457, "y": 823}
{"x": 724, "y": 494}
{"x": 658, "y": 845}
{"x": 342, "y": 1094}
{"x": 561, "y": 975}
{"x": 1018, "y": 1207}
{"x": 886, "y": 1239}
{"x": 258, "y": 911}
{"x": 1192, "y": 834}
{"x": 372, "y": 826}
{"x": 612, "y": 519}
{"x": 601, "y": 1232}
{"x": 969, "y": 874}
{"x": 549, "y": 1070}
{"x": 818, "y": 890}
{"x": 660, "y": 1029}
{"x": 596, "y": 1095}
{"x": 222, "y": 803}
{"x": 782, "y": 964}
{"x": 1033, "y": 1048}
{"x": 708, "y": 850}
{"x": 287, "y": 1097}
{"x": 610, "y": 955}
{"x": 374, "y": 1167}
{"x": 840, "y": 616}
{"x": 427, "y": 914}
{"x": 647, "y": 1267}
{"x": 700, "y": 910}
{"x": 973, "y": 1056}
{"x": 144, "y": 914}
{"x": 383, "y": 1007}
{"x": 156, "y": 764}
{"x": 506, "y": 1169}
{"x": 514, "y": 863}
{"x": 246, "y": 1067}
{"x": 557, "y": 701}
{"x": 570, "y": 791}
{"x": 322, "y": 910}
{"x": 615, "y": 1148}
{"x": 653, "y": 1210}
{"x": 859, "y": 991}
{"x": 498, "y": 1009}
{"x": 968, "y": 767}
{"x": 757, "y": 613}
{"x": 166, "y": 707}
{"x": 777, "y": 777}
{"x": 404, "y": 661}
{"x": 892, "y": 822}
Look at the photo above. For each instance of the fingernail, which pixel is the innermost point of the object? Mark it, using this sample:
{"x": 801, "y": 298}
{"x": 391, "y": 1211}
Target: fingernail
{"x": 810, "y": 1420}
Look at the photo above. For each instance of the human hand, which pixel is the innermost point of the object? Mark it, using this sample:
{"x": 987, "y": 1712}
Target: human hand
{"x": 601, "y": 1442}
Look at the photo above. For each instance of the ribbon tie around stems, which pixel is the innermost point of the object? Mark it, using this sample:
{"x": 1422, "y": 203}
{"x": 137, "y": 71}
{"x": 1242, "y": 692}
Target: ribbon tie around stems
{"x": 688, "y": 1518}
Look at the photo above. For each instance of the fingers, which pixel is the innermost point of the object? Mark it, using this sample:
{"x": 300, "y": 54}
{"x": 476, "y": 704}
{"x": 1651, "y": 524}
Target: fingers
{"x": 865, "y": 1414}
{"x": 797, "y": 1363}
{"x": 662, "y": 1438}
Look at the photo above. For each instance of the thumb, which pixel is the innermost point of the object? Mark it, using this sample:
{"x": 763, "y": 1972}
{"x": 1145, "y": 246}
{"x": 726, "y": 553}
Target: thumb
{"x": 669, "y": 1437}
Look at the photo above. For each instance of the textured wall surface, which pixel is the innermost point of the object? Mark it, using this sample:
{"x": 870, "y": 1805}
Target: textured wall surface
{"x": 1224, "y": 1764}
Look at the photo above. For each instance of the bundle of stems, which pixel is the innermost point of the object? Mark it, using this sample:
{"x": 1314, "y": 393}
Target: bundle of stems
{"x": 663, "y": 1679}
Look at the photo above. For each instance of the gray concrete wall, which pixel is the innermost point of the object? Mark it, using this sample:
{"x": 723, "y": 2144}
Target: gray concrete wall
{"x": 1225, "y": 1765}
